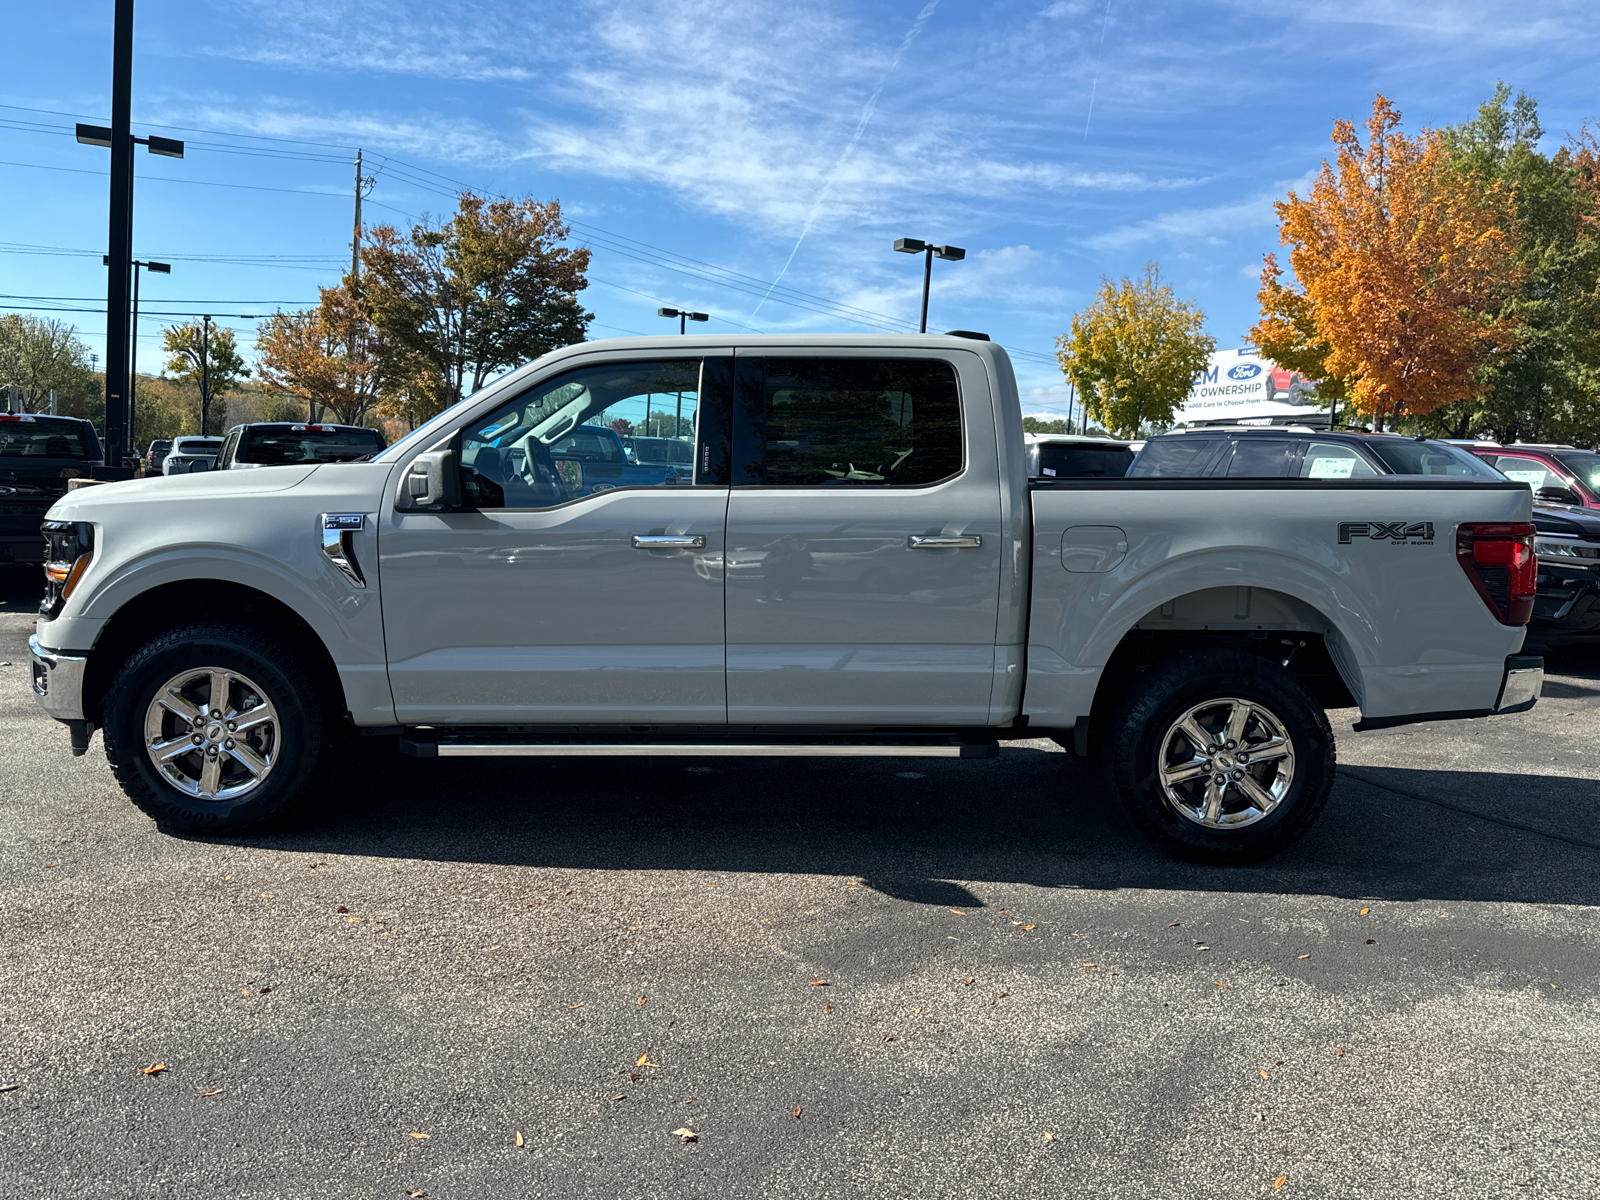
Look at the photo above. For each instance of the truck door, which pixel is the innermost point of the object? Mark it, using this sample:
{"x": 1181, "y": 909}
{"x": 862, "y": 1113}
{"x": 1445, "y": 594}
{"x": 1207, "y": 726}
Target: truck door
{"x": 549, "y": 598}
{"x": 864, "y": 539}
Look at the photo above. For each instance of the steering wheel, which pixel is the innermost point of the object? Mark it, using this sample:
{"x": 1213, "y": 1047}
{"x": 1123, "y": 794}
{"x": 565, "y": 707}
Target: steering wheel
{"x": 537, "y": 456}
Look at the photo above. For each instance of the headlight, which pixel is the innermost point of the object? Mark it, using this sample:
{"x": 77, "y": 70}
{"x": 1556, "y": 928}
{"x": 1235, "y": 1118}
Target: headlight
{"x": 1551, "y": 548}
{"x": 69, "y": 549}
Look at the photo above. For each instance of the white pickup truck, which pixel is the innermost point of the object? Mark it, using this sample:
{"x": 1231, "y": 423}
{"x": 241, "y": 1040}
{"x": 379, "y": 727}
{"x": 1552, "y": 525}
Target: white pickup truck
{"x": 858, "y": 564}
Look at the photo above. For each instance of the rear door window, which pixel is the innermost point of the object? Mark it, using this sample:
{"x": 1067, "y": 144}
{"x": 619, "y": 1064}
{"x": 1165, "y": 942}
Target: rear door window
{"x": 1177, "y": 457}
{"x": 1259, "y": 458}
{"x": 1334, "y": 460}
{"x": 1407, "y": 456}
{"x": 858, "y": 422}
{"x": 1529, "y": 471}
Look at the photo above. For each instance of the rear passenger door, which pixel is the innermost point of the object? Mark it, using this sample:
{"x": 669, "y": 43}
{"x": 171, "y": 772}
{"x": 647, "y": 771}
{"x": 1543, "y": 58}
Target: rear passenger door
{"x": 864, "y": 539}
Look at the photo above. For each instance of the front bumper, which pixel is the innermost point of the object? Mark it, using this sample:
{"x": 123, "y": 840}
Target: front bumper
{"x": 58, "y": 681}
{"x": 1520, "y": 685}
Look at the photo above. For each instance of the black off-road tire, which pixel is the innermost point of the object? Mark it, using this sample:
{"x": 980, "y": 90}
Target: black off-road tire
{"x": 308, "y": 721}
{"x": 1140, "y": 722}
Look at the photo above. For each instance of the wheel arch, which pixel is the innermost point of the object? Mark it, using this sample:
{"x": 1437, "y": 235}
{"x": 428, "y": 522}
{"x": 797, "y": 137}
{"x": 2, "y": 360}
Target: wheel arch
{"x": 165, "y": 605}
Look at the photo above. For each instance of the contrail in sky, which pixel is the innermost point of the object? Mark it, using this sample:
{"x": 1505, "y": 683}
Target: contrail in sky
{"x": 1099, "y": 50}
{"x": 861, "y": 127}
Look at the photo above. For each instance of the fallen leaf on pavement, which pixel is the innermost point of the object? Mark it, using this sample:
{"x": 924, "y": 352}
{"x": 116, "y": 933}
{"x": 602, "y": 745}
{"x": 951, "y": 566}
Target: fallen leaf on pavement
{"x": 687, "y": 1135}
{"x": 1049, "y": 1137}
{"x": 958, "y": 912}
{"x": 519, "y": 1137}
{"x": 827, "y": 1008}
{"x": 154, "y": 1069}
{"x": 266, "y": 895}
{"x": 9, "y": 1087}
{"x": 1263, "y": 1075}
{"x": 1027, "y": 929}
{"x": 1088, "y": 964}
{"x": 712, "y": 885}
{"x": 641, "y": 1001}
{"x": 263, "y": 991}
{"x": 246, "y": 991}
{"x": 1219, "y": 983}
{"x": 969, "y": 981}
{"x": 1365, "y": 911}
{"x": 798, "y": 1110}
{"x": 225, "y": 878}
{"x": 212, "y": 1092}
{"x": 415, "y": 1195}
{"x": 1372, "y": 941}
{"x": 888, "y": 1037}
{"x": 819, "y": 983}
{"x": 421, "y": 1137}
{"x": 852, "y": 883}
{"x": 1339, "y": 1050}
{"x": 644, "y": 1061}
{"x": 340, "y": 909}
{"x": 1174, "y": 924}
{"x": 1279, "y": 1182}
{"x": 1305, "y": 956}
{"x": 634, "y": 1077}
{"x": 1002, "y": 995}
{"x": 619, "y": 1096}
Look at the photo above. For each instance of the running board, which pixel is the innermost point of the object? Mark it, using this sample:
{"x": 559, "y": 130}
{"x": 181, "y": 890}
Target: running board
{"x": 473, "y": 744}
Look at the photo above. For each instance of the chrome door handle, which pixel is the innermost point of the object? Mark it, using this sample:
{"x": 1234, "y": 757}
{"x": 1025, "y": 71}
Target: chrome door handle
{"x": 969, "y": 541}
{"x": 668, "y": 541}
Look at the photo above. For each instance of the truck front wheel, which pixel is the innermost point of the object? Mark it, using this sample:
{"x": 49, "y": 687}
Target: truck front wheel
{"x": 1221, "y": 756}
{"x": 214, "y": 727}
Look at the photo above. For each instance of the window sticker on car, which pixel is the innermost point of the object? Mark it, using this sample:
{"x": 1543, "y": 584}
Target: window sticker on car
{"x": 1331, "y": 468}
{"x": 1533, "y": 479}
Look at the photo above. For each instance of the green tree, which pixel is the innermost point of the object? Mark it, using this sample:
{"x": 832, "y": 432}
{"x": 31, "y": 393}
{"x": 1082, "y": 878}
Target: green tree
{"x": 41, "y": 356}
{"x": 1134, "y": 353}
{"x": 453, "y": 304}
{"x": 208, "y": 359}
{"x": 1544, "y": 385}
{"x": 1038, "y": 425}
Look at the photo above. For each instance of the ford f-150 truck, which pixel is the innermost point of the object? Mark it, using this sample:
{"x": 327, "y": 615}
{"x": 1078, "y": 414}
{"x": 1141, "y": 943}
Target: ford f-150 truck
{"x": 859, "y": 565}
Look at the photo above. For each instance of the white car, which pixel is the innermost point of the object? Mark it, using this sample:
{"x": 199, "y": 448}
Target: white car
{"x": 189, "y": 454}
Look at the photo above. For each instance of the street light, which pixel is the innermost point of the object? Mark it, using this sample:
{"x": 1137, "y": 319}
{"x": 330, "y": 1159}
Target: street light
{"x": 682, "y": 316}
{"x": 917, "y": 246}
{"x": 155, "y": 268}
{"x": 120, "y": 140}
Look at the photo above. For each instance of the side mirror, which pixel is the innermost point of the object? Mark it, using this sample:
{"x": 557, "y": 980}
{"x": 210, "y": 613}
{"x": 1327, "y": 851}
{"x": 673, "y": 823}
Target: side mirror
{"x": 432, "y": 483}
{"x": 1557, "y": 495}
{"x": 571, "y": 472}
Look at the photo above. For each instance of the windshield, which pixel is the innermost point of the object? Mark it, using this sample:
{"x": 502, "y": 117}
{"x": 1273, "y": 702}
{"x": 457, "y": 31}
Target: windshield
{"x": 651, "y": 451}
{"x": 43, "y": 439}
{"x": 277, "y": 446}
{"x": 1430, "y": 458}
{"x": 195, "y": 445}
{"x": 1585, "y": 464}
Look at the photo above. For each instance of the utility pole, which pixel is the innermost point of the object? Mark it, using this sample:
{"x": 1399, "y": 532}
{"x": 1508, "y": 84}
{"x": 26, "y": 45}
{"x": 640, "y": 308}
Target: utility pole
{"x": 355, "y": 242}
{"x": 205, "y": 383}
{"x": 120, "y": 239}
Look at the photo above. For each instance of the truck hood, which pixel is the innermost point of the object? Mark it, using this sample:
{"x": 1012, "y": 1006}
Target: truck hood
{"x": 85, "y": 504}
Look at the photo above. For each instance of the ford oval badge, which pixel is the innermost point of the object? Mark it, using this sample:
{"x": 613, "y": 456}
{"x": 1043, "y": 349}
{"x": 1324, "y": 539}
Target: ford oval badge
{"x": 1244, "y": 371}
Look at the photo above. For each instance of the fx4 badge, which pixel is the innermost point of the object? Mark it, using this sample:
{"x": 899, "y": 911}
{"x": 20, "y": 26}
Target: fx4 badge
{"x": 1393, "y": 531}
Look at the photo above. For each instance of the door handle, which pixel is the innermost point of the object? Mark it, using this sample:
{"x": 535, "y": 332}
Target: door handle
{"x": 969, "y": 541}
{"x": 668, "y": 541}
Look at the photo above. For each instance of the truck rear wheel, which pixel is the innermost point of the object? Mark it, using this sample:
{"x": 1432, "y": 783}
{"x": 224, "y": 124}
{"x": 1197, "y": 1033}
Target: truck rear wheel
{"x": 1221, "y": 756}
{"x": 215, "y": 728}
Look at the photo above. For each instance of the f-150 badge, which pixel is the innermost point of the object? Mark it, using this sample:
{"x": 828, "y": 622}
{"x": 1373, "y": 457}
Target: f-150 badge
{"x": 1392, "y": 531}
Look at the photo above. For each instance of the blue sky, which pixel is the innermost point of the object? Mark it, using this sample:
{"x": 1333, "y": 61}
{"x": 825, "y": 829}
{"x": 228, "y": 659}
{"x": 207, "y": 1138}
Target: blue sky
{"x": 708, "y": 151}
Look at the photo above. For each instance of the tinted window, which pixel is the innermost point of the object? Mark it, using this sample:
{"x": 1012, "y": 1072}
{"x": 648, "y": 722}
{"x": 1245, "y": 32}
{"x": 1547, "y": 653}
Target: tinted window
{"x": 195, "y": 445}
{"x": 1529, "y": 471}
{"x": 1334, "y": 460}
{"x": 1584, "y": 464}
{"x": 43, "y": 439}
{"x": 590, "y": 445}
{"x": 858, "y": 421}
{"x": 276, "y": 446}
{"x": 1066, "y": 460}
{"x": 560, "y": 440}
{"x": 651, "y": 450}
{"x": 1173, "y": 457}
{"x": 1428, "y": 458}
{"x": 1260, "y": 458}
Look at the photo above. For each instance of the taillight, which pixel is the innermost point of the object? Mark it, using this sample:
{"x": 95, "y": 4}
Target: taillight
{"x": 1500, "y": 561}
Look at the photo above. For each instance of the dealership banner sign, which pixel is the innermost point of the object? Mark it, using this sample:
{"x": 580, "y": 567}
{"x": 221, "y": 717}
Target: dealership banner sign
{"x": 1241, "y": 386}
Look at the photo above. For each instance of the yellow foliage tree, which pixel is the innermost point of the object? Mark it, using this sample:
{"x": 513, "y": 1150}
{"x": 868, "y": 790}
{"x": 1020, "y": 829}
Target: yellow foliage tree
{"x": 1134, "y": 353}
{"x": 1401, "y": 267}
{"x": 326, "y": 356}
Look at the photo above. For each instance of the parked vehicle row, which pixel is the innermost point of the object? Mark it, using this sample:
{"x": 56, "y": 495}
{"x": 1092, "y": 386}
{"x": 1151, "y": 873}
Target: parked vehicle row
{"x": 858, "y": 563}
{"x": 39, "y": 453}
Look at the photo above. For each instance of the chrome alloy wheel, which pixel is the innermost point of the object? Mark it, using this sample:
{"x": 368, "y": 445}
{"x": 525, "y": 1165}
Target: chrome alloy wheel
{"x": 212, "y": 733}
{"x": 1226, "y": 763}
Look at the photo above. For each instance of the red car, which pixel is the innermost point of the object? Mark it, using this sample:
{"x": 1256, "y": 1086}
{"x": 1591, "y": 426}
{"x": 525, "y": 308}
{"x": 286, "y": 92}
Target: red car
{"x": 1557, "y": 474}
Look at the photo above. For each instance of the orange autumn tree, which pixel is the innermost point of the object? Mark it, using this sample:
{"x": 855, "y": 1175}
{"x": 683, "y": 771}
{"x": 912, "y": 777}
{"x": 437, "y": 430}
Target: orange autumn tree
{"x": 326, "y": 356}
{"x": 1400, "y": 268}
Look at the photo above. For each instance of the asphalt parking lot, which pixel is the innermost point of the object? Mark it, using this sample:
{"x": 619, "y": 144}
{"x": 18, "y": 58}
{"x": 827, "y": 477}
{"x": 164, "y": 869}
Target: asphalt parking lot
{"x": 519, "y": 978}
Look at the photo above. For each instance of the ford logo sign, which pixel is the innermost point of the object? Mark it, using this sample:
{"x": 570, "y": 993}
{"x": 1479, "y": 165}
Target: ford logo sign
{"x": 1244, "y": 371}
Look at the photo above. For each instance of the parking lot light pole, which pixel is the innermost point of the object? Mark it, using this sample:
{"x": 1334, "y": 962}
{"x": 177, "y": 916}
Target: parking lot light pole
{"x": 929, "y": 250}
{"x": 683, "y": 315}
{"x": 157, "y": 268}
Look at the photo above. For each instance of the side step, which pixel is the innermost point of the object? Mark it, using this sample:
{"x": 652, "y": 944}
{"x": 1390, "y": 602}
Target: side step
{"x": 495, "y": 744}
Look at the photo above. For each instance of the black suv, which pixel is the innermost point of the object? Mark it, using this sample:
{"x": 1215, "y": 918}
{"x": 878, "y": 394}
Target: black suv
{"x": 38, "y": 454}
{"x": 1567, "y": 540}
